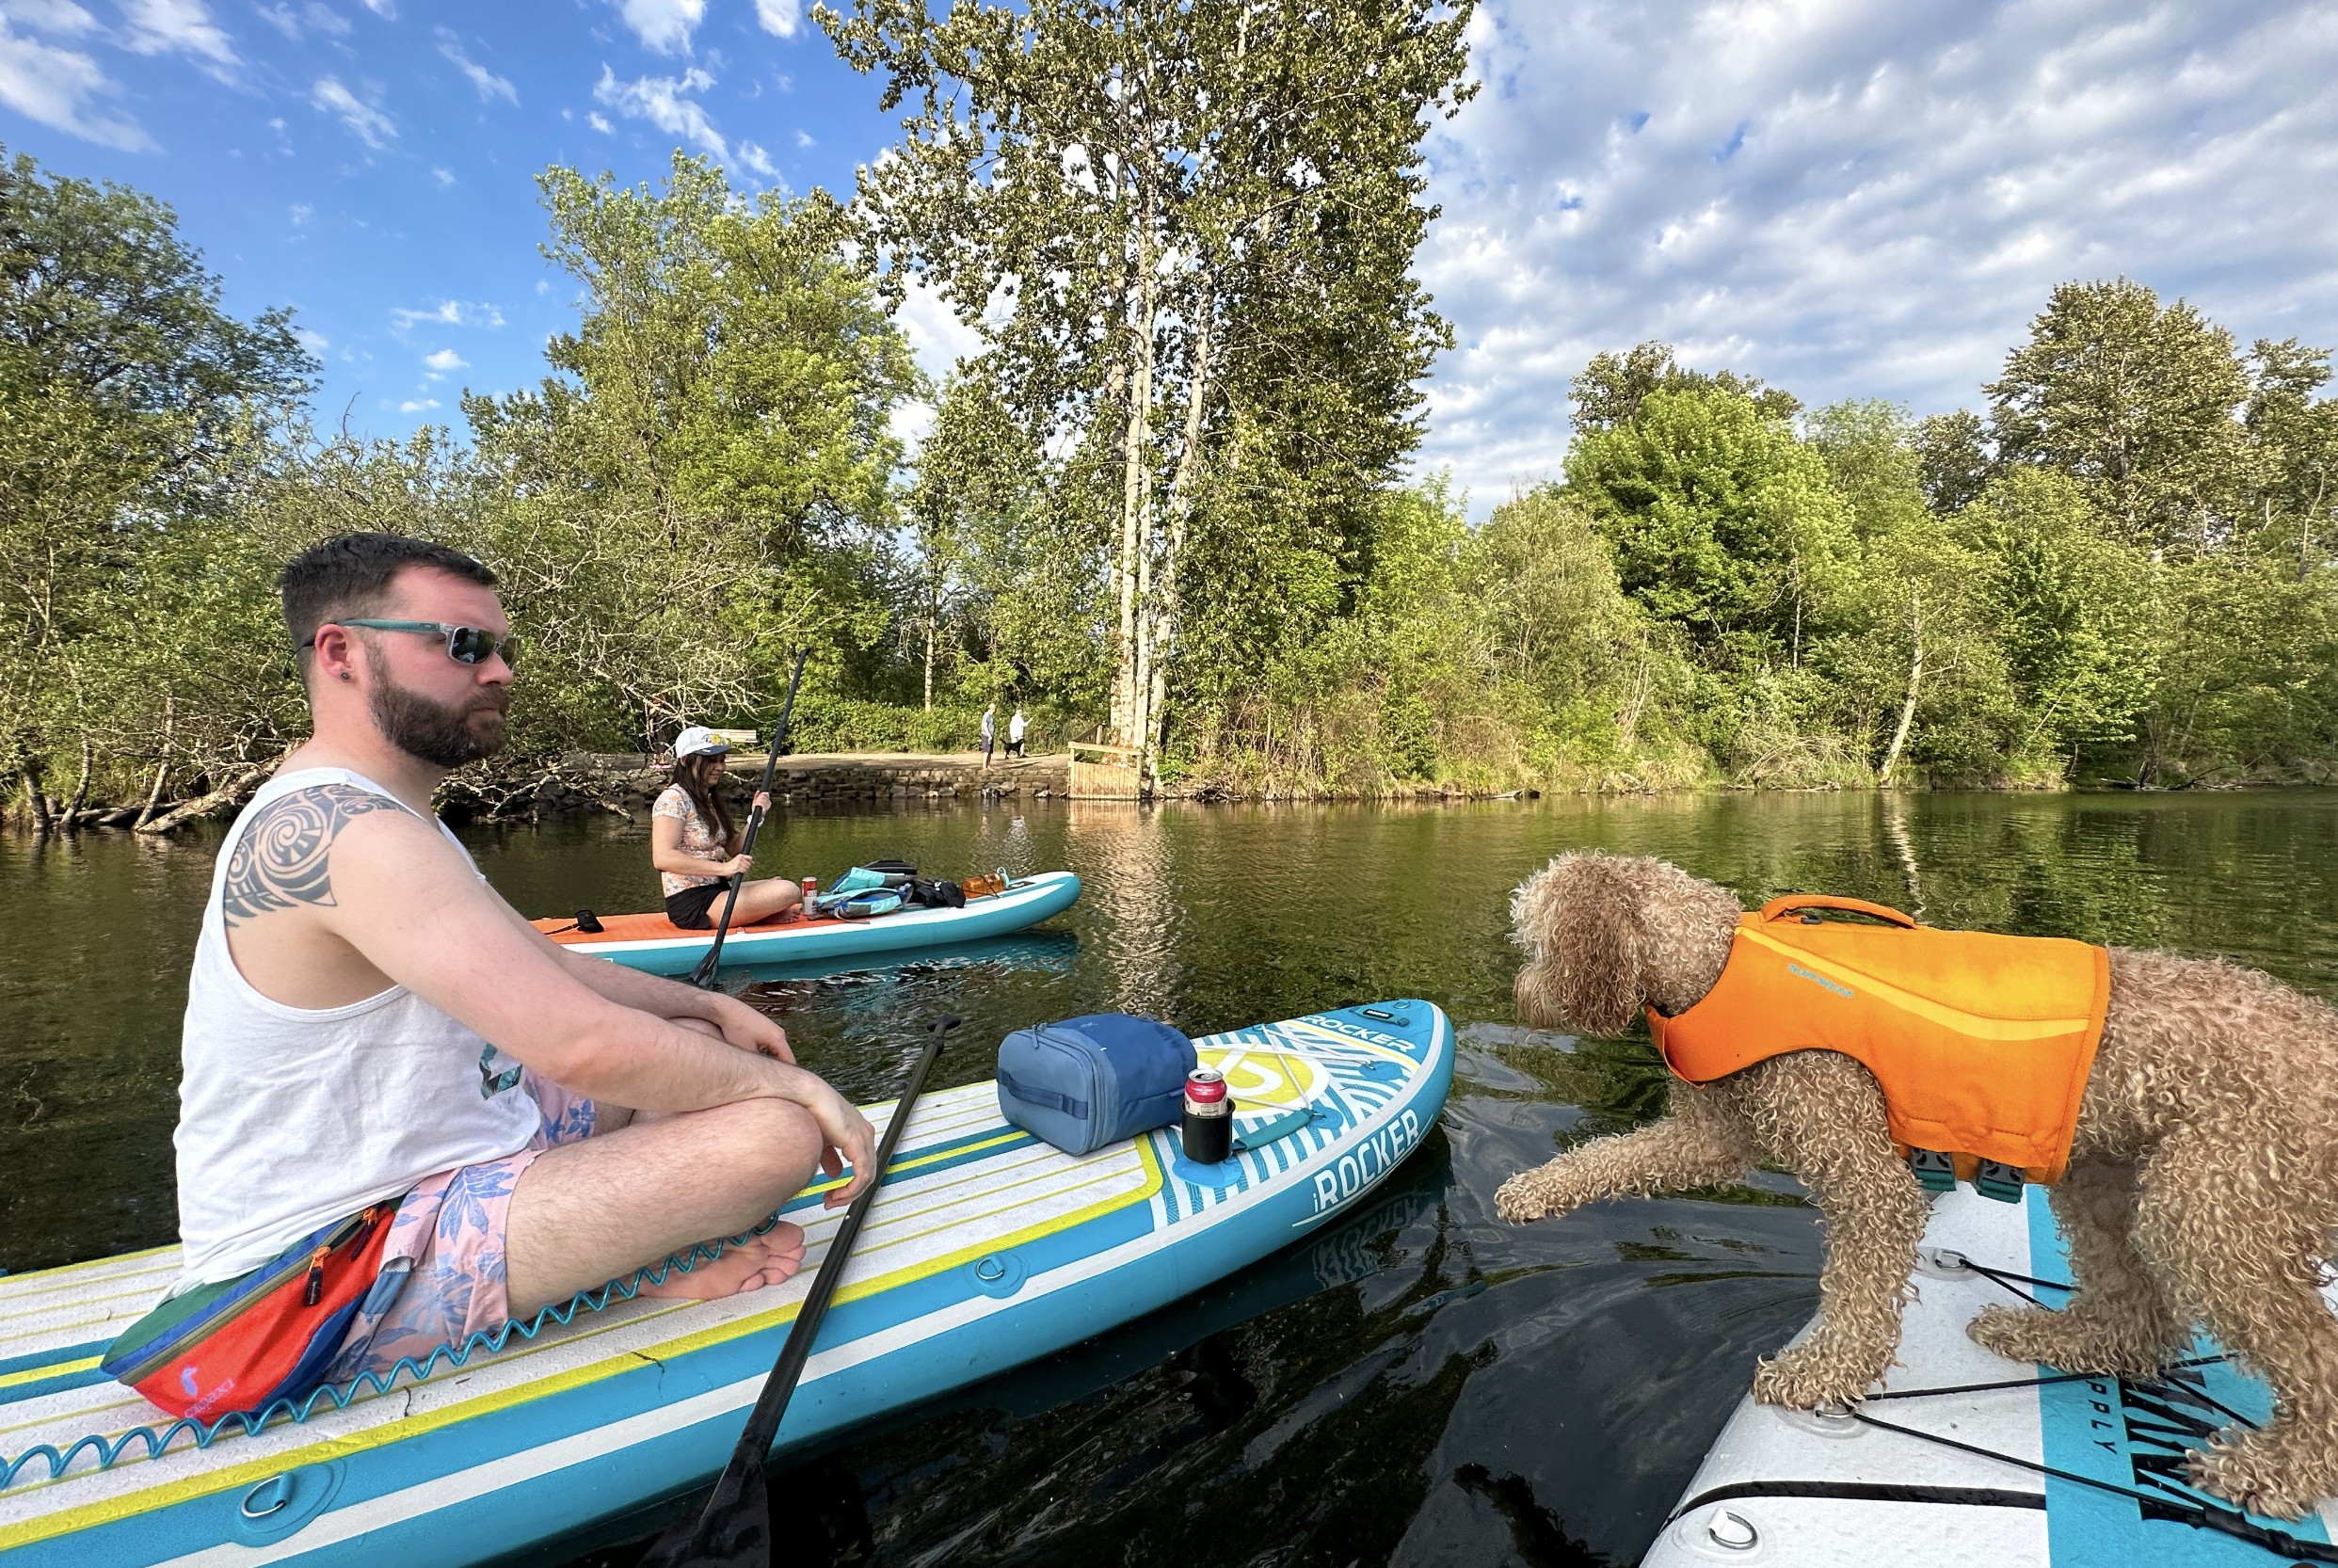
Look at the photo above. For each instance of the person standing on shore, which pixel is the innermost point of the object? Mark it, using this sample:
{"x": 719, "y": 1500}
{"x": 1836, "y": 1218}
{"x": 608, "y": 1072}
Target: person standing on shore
{"x": 990, "y": 732}
{"x": 376, "y": 1040}
{"x": 1015, "y": 734}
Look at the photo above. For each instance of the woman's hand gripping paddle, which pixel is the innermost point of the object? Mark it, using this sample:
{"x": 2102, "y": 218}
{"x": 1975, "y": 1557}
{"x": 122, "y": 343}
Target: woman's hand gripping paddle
{"x": 733, "y": 1529}
{"x": 703, "y": 976}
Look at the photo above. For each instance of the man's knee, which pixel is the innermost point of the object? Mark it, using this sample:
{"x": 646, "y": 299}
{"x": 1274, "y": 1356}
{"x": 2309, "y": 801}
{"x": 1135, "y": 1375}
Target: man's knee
{"x": 777, "y": 1139}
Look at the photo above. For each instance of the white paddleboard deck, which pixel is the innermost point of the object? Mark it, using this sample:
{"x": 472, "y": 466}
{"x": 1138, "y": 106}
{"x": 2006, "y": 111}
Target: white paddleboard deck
{"x": 1795, "y": 1490}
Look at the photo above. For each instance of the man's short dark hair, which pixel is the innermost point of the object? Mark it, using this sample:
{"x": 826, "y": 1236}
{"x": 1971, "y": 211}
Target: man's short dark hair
{"x": 350, "y": 575}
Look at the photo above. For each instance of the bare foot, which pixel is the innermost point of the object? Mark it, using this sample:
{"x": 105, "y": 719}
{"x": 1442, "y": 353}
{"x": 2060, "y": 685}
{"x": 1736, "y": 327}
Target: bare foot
{"x": 749, "y": 1265}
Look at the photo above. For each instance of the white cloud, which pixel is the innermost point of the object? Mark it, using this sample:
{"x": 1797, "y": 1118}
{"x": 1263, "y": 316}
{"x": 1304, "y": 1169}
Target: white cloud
{"x": 1855, "y": 200}
{"x": 372, "y": 126}
{"x": 55, "y": 86}
{"x": 778, "y": 16}
{"x": 446, "y": 361}
{"x": 312, "y": 18}
{"x": 449, "y": 312}
{"x": 936, "y": 336}
{"x": 659, "y": 99}
{"x": 754, "y": 157}
{"x": 910, "y": 424}
{"x": 664, "y": 27}
{"x": 599, "y": 124}
{"x": 489, "y": 85}
{"x": 179, "y": 27}
{"x": 803, "y": 138}
{"x": 417, "y": 405}
{"x": 50, "y": 16}
{"x": 444, "y": 176}
{"x": 301, "y": 213}
{"x": 386, "y": 10}
{"x": 316, "y": 343}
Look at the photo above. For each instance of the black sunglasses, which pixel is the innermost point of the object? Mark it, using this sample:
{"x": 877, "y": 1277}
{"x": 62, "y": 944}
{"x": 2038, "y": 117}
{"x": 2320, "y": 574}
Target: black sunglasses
{"x": 465, "y": 645}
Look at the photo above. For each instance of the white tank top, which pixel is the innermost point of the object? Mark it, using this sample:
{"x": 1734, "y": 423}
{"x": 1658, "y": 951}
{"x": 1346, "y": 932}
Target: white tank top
{"x": 291, "y": 1118}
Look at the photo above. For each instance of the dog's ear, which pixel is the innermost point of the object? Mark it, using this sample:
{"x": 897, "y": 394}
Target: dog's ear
{"x": 1578, "y": 920}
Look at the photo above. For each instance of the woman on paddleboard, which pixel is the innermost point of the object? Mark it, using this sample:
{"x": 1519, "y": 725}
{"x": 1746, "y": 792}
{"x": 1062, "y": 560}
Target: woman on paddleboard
{"x": 694, "y": 844}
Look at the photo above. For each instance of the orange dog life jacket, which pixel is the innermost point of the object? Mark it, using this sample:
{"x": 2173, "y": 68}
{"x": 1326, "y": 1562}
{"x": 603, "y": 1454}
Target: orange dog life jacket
{"x": 1982, "y": 1043}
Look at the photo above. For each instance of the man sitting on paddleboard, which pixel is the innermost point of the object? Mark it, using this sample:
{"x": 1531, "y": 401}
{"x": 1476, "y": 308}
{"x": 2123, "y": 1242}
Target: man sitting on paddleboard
{"x": 694, "y": 844}
{"x": 369, "y": 1025}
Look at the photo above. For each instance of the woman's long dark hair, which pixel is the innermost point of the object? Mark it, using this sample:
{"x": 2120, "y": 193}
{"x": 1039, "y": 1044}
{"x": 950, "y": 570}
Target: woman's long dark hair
{"x": 705, "y": 794}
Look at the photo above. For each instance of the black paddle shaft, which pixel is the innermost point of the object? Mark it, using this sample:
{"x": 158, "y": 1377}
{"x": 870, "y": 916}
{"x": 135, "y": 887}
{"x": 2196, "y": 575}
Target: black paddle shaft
{"x": 733, "y": 1529}
{"x": 703, "y": 976}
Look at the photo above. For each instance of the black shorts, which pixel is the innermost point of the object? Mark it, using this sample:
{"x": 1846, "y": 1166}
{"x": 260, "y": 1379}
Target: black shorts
{"x": 689, "y": 907}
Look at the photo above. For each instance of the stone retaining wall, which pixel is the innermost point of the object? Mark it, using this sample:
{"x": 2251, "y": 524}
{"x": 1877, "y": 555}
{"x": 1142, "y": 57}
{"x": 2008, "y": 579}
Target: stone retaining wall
{"x": 628, "y": 783}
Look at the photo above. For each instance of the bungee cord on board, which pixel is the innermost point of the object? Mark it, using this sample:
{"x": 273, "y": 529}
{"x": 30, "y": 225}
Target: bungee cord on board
{"x": 2170, "y": 1508}
{"x": 295, "y": 1412}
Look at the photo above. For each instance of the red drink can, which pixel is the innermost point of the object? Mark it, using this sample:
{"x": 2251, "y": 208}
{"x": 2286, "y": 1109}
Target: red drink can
{"x": 1209, "y": 1130}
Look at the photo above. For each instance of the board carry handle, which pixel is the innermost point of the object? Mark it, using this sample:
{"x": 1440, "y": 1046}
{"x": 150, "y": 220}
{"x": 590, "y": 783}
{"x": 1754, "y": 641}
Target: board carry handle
{"x": 1779, "y": 908}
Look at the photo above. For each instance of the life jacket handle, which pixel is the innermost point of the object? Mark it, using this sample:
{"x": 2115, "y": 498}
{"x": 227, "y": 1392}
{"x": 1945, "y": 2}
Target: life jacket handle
{"x": 1779, "y": 908}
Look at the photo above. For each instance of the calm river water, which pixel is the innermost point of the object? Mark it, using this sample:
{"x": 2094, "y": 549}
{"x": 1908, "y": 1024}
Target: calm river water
{"x": 1423, "y": 1384}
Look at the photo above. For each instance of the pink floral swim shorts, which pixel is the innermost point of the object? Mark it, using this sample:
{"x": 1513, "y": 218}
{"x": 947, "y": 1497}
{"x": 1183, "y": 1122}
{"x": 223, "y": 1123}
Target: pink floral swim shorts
{"x": 443, "y": 1269}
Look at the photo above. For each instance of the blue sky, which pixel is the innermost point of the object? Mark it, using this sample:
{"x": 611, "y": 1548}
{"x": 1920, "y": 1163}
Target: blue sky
{"x": 1845, "y": 198}
{"x": 372, "y": 162}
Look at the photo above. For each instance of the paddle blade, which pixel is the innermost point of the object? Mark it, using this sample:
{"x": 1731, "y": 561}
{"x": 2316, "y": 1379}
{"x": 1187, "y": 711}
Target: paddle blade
{"x": 732, "y": 1530}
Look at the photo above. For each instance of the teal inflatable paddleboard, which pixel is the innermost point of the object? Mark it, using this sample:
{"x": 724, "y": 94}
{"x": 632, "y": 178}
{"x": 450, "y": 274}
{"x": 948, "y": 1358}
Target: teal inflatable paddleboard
{"x": 1794, "y": 1489}
{"x": 985, "y": 1250}
{"x": 655, "y": 944}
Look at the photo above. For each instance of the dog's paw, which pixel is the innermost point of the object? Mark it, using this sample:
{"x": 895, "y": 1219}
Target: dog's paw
{"x": 2257, "y": 1476}
{"x": 1523, "y": 1197}
{"x": 1811, "y": 1374}
{"x": 2069, "y": 1341}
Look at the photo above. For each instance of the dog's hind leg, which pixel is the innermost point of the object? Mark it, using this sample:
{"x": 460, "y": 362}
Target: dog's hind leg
{"x": 2242, "y": 1249}
{"x": 1822, "y": 1113}
{"x": 1705, "y": 1140}
{"x": 2119, "y": 1321}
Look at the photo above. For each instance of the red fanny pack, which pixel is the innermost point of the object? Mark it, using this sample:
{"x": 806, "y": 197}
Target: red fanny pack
{"x": 268, "y": 1334}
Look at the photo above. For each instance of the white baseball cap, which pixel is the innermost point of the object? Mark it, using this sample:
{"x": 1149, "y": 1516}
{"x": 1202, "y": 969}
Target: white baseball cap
{"x": 697, "y": 739}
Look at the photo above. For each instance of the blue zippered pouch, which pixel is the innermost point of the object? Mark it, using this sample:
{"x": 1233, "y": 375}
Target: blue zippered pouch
{"x": 1085, "y": 1083}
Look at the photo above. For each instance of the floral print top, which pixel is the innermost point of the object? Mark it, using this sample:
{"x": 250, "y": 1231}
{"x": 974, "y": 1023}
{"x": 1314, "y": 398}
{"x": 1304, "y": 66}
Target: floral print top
{"x": 696, "y": 838}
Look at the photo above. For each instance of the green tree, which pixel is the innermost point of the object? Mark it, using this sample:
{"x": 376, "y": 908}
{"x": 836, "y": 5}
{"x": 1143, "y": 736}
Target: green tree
{"x": 131, "y": 407}
{"x": 2073, "y": 599}
{"x": 2296, "y": 437}
{"x": 1721, "y": 521}
{"x": 1608, "y": 391}
{"x": 2136, "y": 402}
{"x": 706, "y": 479}
{"x": 1953, "y": 460}
{"x": 1185, "y": 232}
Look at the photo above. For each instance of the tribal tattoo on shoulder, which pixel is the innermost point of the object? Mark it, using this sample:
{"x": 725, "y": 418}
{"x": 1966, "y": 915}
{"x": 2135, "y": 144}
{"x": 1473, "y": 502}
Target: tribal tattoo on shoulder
{"x": 282, "y": 858}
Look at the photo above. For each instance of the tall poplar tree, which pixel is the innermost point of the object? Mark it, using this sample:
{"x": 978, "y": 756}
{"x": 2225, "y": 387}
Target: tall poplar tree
{"x": 1173, "y": 224}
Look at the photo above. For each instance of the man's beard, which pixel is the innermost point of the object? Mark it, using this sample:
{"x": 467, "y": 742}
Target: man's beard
{"x": 443, "y": 736}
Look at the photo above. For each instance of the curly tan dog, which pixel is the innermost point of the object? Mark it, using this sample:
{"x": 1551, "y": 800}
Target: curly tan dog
{"x": 2203, "y": 1184}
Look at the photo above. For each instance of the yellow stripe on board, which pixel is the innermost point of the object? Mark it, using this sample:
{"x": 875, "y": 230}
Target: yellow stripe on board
{"x": 151, "y": 1500}
{"x": 8, "y": 1281}
{"x": 900, "y": 1165}
{"x": 1972, "y": 1025}
{"x": 59, "y": 1370}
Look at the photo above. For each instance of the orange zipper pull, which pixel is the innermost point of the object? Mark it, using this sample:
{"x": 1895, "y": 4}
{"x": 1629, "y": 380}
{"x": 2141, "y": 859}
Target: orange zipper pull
{"x": 316, "y": 1277}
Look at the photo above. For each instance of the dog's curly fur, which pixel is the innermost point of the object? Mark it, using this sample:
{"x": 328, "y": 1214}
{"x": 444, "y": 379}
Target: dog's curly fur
{"x": 2203, "y": 1184}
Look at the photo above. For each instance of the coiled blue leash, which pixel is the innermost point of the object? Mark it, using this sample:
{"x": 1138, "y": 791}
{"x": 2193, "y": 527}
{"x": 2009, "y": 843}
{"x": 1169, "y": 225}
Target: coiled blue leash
{"x": 493, "y": 1342}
